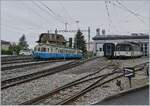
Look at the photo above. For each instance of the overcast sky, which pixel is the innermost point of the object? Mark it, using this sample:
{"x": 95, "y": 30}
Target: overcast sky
{"x": 32, "y": 18}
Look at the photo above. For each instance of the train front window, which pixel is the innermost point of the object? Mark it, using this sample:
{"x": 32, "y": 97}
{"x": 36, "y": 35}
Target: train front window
{"x": 43, "y": 49}
{"x": 123, "y": 48}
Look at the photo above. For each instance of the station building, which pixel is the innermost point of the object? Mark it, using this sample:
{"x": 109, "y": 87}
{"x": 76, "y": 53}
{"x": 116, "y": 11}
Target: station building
{"x": 51, "y": 38}
{"x": 100, "y": 40}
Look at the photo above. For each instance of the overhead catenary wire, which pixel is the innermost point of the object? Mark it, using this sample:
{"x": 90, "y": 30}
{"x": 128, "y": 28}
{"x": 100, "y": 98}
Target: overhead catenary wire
{"x": 17, "y": 29}
{"x": 109, "y": 18}
{"x": 39, "y": 6}
{"x": 128, "y": 10}
{"x": 136, "y": 14}
{"x": 44, "y": 19}
{"x": 129, "y": 13}
{"x": 12, "y": 27}
{"x": 57, "y": 16}
{"x": 50, "y": 14}
{"x": 107, "y": 13}
{"x": 71, "y": 18}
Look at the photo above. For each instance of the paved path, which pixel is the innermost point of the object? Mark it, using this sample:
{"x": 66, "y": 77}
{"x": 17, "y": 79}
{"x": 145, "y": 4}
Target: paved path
{"x": 140, "y": 97}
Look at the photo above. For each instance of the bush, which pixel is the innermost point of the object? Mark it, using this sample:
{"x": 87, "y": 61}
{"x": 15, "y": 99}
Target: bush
{"x": 6, "y": 52}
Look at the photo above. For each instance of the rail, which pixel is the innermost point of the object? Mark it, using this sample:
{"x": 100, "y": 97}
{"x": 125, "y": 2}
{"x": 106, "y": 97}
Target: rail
{"x": 78, "y": 81}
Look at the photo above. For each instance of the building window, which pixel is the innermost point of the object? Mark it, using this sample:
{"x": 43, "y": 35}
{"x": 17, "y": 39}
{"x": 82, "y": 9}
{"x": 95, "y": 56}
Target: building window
{"x": 100, "y": 49}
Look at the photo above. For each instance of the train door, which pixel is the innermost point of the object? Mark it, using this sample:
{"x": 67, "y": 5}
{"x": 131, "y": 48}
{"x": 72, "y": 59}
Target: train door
{"x": 109, "y": 49}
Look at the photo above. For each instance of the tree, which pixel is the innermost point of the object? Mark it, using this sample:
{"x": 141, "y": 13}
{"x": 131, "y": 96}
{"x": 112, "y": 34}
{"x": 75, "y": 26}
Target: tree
{"x": 23, "y": 43}
{"x": 80, "y": 43}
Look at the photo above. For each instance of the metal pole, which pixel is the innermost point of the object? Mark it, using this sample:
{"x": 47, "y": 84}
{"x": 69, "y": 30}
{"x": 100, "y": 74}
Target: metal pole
{"x": 66, "y": 26}
{"x": 130, "y": 81}
{"x": 88, "y": 38}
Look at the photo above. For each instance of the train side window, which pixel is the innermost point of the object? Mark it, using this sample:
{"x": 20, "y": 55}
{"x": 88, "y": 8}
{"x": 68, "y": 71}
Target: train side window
{"x": 127, "y": 48}
{"x": 39, "y": 49}
{"x": 51, "y": 49}
{"x": 54, "y": 50}
{"x": 35, "y": 49}
{"x": 47, "y": 49}
{"x": 43, "y": 49}
{"x": 66, "y": 51}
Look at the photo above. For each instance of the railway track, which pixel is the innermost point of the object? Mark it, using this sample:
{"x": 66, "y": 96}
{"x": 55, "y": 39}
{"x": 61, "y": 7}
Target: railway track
{"x": 32, "y": 63}
{"x": 29, "y": 77}
{"x": 14, "y": 58}
{"x": 94, "y": 76}
{"x": 26, "y": 60}
{"x": 55, "y": 97}
{"x": 98, "y": 83}
{"x": 18, "y": 61}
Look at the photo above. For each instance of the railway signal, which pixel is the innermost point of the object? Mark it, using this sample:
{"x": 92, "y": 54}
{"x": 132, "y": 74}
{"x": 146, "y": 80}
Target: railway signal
{"x": 129, "y": 72}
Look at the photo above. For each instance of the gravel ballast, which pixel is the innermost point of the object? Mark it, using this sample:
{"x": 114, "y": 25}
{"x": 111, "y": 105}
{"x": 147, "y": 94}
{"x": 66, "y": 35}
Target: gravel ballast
{"x": 28, "y": 70}
{"x": 26, "y": 91}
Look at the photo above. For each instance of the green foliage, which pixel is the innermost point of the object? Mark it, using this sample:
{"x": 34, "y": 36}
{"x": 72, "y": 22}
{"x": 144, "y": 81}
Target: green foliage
{"x": 15, "y": 49}
{"x": 22, "y": 43}
{"x": 6, "y": 52}
{"x": 80, "y": 43}
{"x": 70, "y": 42}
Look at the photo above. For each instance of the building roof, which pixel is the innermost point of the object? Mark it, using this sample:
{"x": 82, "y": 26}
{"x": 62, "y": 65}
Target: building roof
{"x": 5, "y": 42}
{"x": 117, "y": 37}
{"x": 51, "y": 37}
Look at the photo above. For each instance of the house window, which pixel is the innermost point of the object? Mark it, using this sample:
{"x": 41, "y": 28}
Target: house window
{"x": 100, "y": 49}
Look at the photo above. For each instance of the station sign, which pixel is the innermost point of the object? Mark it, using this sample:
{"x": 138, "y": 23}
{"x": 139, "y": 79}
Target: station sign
{"x": 129, "y": 72}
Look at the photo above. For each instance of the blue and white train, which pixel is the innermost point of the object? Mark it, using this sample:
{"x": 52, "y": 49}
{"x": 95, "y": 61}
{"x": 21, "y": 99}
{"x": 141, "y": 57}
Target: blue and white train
{"x": 47, "y": 51}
